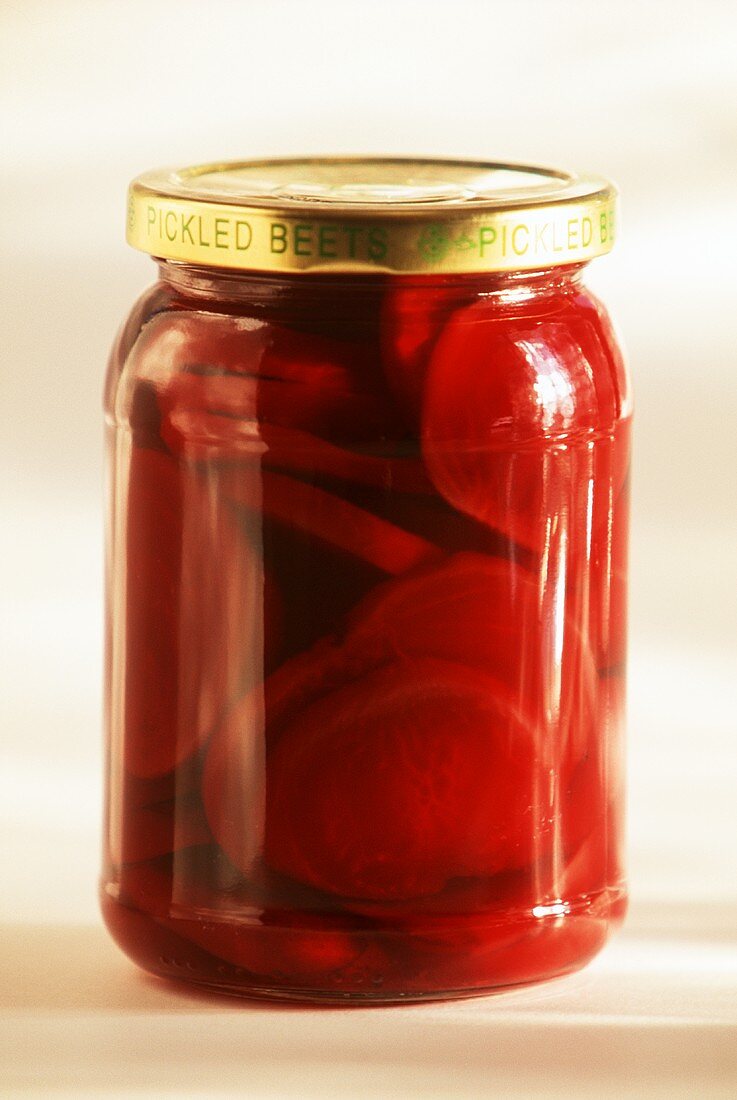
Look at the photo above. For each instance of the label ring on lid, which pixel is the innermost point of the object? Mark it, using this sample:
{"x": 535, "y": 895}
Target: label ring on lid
{"x": 371, "y": 214}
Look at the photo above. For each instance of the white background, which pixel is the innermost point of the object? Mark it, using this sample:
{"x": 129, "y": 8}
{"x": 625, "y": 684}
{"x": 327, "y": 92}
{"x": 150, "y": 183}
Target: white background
{"x": 95, "y": 92}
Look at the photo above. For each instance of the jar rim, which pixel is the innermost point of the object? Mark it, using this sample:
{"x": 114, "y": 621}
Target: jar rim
{"x": 392, "y": 215}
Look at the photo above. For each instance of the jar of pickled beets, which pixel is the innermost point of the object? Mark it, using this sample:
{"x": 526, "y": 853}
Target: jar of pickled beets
{"x": 368, "y": 440}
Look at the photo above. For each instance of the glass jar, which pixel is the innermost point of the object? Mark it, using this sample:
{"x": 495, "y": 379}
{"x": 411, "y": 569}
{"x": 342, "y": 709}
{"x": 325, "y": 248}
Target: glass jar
{"x": 369, "y": 449}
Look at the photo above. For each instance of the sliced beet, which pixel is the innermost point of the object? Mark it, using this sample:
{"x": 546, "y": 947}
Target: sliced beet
{"x": 468, "y": 955}
{"x": 202, "y": 342}
{"x": 229, "y": 415}
{"x": 153, "y": 741}
{"x": 163, "y": 827}
{"x": 333, "y": 381}
{"x": 307, "y": 454}
{"x": 420, "y": 772}
{"x": 234, "y": 782}
{"x": 202, "y": 414}
{"x": 492, "y": 896}
{"x": 217, "y": 417}
{"x": 194, "y": 634}
{"x": 152, "y": 817}
{"x": 234, "y": 777}
{"x": 412, "y": 318}
{"x": 257, "y": 370}
{"x": 329, "y": 519}
{"x": 468, "y": 609}
{"x": 232, "y": 926}
{"x": 488, "y": 614}
{"x": 302, "y": 948}
{"x": 506, "y": 399}
{"x": 191, "y": 881}
{"x": 484, "y": 614}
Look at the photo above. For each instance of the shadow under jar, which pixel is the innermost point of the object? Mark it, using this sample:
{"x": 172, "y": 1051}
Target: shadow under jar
{"x": 368, "y": 443}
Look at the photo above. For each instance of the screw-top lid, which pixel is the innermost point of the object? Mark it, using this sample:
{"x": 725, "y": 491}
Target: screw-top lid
{"x": 364, "y": 214}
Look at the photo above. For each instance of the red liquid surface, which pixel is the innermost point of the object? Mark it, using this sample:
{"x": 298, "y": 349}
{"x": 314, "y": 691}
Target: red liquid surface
{"x": 367, "y": 638}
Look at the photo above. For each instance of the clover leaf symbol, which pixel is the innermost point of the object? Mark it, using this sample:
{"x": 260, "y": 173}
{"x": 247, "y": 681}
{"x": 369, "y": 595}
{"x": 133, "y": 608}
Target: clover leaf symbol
{"x": 434, "y": 242}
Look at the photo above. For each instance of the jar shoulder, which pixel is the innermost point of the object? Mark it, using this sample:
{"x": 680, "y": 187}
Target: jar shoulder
{"x": 524, "y": 365}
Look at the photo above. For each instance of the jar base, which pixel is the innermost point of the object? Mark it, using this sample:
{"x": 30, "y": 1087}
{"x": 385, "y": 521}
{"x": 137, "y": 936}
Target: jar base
{"x": 327, "y": 999}
{"x": 380, "y": 966}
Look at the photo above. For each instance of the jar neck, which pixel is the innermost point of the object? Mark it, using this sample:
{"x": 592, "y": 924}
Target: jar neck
{"x": 267, "y": 290}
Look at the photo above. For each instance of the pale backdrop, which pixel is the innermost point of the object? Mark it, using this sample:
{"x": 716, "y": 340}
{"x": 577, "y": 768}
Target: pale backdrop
{"x": 93, "y": 93}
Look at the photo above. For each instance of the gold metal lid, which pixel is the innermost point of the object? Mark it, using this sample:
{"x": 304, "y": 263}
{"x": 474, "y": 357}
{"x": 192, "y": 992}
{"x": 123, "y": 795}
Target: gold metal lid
{"x": 371, "y": 214}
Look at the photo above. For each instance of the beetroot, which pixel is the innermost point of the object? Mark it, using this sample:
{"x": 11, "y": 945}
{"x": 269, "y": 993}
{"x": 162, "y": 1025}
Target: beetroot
{"x": 387, "y": 788}
{"x": 413, "y": 316}
{"x": 504, "y": 399}
{"x": 187, "y": 652}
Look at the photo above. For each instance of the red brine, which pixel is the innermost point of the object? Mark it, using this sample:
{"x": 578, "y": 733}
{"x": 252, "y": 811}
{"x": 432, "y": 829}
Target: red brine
{"x": 366, "y": 645}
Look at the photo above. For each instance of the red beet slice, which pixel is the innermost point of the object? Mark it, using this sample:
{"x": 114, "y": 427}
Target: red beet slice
{"x": 155, "y": 947}
{"x": 153, "y": 817}
{"x": 328, "y": 518}
{"x": 291, "y": 449}
{"x": 585, "y": 874}
{"x": 173, "y": 342}
{"x": 299, "y": 950}
{"x": 283, "y": 944}
{"x": 163, "y": 827}
{"x": 468, "y": 955}
{"x": 234, "y": 782}
{"x": 328, "y": 385}
{"x": 581, "y": 813}
{"x": 421, "y": 772}
{"x": 504, "y": 401}
{"x": 491, "y": 897}
{"x": 224, "y": 415}
{"x": 153, "y": 743}
{"x": 467, "y": 609}
{"x": 612, "y": 714}
{"x": 412, "y": 318}
{"x": 571, "y": 861}
{"x": 234, "y": 777}
{"x": 217, "y": 417}
{"x": 266, "y": 371}
{"x": 492, "y": 615}
{"x": 189, "y": 647}
{"x": 204, "y": 414}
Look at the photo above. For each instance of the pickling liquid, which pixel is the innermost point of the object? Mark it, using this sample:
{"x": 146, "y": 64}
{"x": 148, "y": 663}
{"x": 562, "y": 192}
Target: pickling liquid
{"x": 370, "y": 554}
